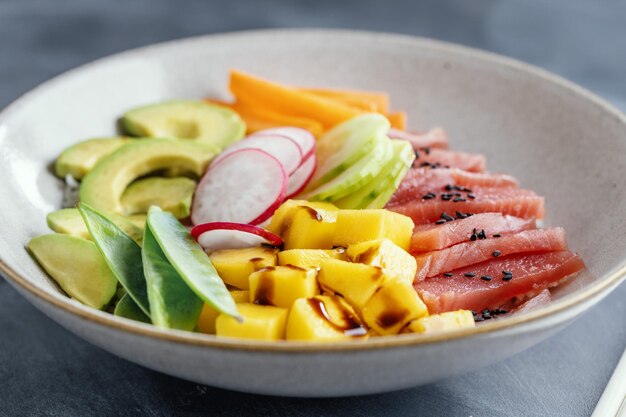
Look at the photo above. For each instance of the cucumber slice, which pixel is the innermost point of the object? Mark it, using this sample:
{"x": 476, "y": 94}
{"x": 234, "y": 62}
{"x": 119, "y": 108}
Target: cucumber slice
{"x": 346, "y": 144}
{"x": 186, "y": 119}
{"x": 385, "y": 183}
{"x": 356, "y": 176}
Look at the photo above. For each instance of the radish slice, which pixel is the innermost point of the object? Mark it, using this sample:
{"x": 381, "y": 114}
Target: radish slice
{"x": 285, "y": 149}
{"x": 299, "y": 179}
{"x": 246, "y": 186}
{"x": 302, "y": 137}
{"x": 225, "y": 235}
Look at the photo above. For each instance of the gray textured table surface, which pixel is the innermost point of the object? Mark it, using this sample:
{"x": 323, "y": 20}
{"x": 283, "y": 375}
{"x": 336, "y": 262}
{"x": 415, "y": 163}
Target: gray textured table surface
{"x": 46, "y": 371}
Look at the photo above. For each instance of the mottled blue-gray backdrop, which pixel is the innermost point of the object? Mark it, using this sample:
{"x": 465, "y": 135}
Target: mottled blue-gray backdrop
{"x": 45, "y": 371}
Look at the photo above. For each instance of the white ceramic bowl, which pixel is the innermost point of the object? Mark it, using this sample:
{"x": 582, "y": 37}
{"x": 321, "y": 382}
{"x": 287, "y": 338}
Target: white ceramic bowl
{"x": 557, "y": 138}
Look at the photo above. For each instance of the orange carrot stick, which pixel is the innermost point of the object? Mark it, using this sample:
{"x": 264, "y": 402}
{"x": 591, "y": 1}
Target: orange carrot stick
{"x": 289, "y": 101}
{"x": 397, "y": 119}
{"x": 364, "y": 100}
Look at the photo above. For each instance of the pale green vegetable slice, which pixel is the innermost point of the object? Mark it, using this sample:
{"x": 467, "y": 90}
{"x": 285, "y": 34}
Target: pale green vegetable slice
{"x": 69, "y": 221}
{"x": 79, "y": 159}
{"x": 77, "y": 266}
{"x": 345, "y": 144}
{"x": 173, "y": 305}
{"x": 190, "y": 261}
{"x": 355, "y": 177}
{"x": 121, "y": 252}
{"x": 171, "y": 194}
{"x": 385, "y": 183}
{"x": 127, "y": 308}
{"x": 186, "y": 119}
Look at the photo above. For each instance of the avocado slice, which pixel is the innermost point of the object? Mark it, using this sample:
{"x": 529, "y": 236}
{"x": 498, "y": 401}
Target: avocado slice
{"x": 102, "y": 187}
{"x": 186, "y": 119}
{"x": 70, "y": 222}
{"x": 79, "y": 159}
{"x": 171, "y": 194}
{"x": 77, "y": 266}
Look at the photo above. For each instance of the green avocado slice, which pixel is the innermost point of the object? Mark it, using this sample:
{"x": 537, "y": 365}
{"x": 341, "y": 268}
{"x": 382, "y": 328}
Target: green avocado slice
{"x": 69, "y": 221}
{"x": 102, "y": 187}
{"x": 77, "y": 266}
{"x": 171, "y": 194}
{"x": 186, "y": 119}
{"x": 79, "y": 159}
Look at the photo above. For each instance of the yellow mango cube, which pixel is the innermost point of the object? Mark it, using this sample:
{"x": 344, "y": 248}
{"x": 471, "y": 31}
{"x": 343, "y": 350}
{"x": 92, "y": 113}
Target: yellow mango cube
{"x": 282, "y": 285}
{"x": 356, "y": 226}
{"x": 355, "y": 282}
{"x": 306, "y": 258}
{"x": 323, "y": 318}
{"x": 305, "y": 225}
{"x": 208, "y": 315}
{"x": 393, "y": 306}
{"x": 443, "y": 322}
{"x": 259, "y": 322}
{"x": 396, "y": 262}
{"x": 235, "y": 265}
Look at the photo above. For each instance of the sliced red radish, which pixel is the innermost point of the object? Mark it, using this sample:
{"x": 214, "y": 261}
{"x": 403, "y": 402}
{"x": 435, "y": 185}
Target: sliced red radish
{"x": 302, "y": 137}
{"x": 226, "y": 235}
{"x": 283, "y": 148}
{"x": 246, "y": 186}
{"x": 299, "y": 179}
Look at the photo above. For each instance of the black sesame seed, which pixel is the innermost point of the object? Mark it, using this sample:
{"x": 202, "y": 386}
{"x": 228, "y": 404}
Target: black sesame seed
{"x": 496, "y": 253}
{"x": 482, "y": 235}
{"x": 486, "y": 278}
{"x": 472, "y": 196}
{"x": 507, "y": 272}
{"x": 479, "y": 318}
{"x": 473, "y": 237}
{"x": 487, "y": 315}
{"x": 449, "y": 187}
{"x": 470, "y": 274}
{"x": 426, "y": 150}
{"x": 500, "y": 311}
{"x": 442, "y": 221}
{"x": 458, "y": 199}
{"x": 447, "y": 217}
{"x": 425, "y": 164}
{"x": 469, "y": 214}
{"x": 460, "y": 215}
{"x": 497, "y": 235}
{"x": 448, "y": 274}
{"x": 428, "y": 196}
{"x": 507, "y": 277}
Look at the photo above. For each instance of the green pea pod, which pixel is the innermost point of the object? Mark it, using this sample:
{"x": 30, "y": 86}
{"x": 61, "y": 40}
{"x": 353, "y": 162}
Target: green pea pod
{"x": 173, "y": 305}
{"x": 190, "y": 261}
{"x": 121, "y": 253}
{"x": 127, "y": 308}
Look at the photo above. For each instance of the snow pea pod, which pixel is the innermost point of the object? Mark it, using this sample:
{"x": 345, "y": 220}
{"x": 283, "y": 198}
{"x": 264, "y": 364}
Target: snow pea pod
{"x": 121, "y": 253}
{"x": 127, "y": 308}
{"x": 190, "y": 261}
{"x": 173, "y": 305}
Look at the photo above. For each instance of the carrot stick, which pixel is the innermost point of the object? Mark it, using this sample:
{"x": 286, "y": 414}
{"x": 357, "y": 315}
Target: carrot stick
{"x": 397, "y": 119}
{"x": 364, "y": 100}
{"x": 289, "y": 101}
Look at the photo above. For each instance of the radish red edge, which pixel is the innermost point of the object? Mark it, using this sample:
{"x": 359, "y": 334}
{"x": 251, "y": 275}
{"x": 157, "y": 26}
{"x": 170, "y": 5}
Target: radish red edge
{"x": 305, "y": 135}
{"x": 270, "y": 237}
{"x": 307, "y": 179}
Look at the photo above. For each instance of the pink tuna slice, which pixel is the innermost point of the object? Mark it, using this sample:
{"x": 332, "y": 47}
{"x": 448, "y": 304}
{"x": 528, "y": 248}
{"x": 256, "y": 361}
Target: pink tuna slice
{"x": 420, "y": 181}
{"x": 434, "y": 138}
{"x": 539, "y": 300}
{"x": 510, "y": 201}
{"x": 431, "y": 237}
{"x": 472, "y": 162}
{"x": 470, "y": 253}
{"x": 530, "y": 272}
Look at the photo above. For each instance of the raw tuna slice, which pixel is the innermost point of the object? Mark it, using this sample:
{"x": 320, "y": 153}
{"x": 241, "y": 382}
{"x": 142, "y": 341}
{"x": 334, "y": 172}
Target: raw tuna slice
{"x": 511, "y": 201}
{"x": 541, "y": 299}
{"x": 480, "y": 250}
{"x": 431, "y": 237}
{"x": 434, "y": 138}
{"x": 529, "y": 272}
{"x": 472, "y": 162}
{"x": 419, "y": 182}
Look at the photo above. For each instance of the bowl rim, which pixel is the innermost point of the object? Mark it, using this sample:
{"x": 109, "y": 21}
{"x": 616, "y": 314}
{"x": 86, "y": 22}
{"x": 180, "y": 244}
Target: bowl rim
{"x": 98, "y": 317}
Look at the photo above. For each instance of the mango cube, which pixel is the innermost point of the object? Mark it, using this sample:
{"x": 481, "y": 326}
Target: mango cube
{"x": 208, "y": 315}
{"x": 259, "y": 322}
{"x": 396, "y": 262}
{"x": 393, "y": 306}
{"x": 306, "y": 258}
{"x": 355, "y": 226}
{"x": 305, "y": 225}
{"x": 451, "y": 320}
{"x": 323, "y": 318}
{"x": 355, "y": 282}
{"x": 282, "y": 285}
{"x": 235, "y": 265}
